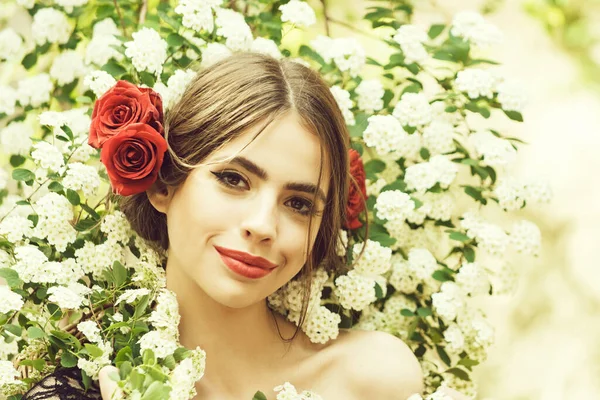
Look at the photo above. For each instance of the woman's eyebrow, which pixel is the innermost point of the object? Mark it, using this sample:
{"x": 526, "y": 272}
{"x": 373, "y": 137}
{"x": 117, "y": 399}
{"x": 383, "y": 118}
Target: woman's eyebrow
{"x": 305, "y": 187}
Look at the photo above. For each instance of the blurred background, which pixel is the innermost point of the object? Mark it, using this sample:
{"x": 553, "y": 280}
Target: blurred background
{"x": 547, "y": 332}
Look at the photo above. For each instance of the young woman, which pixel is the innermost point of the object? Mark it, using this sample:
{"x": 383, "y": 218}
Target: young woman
{"x": 257, "y": 174}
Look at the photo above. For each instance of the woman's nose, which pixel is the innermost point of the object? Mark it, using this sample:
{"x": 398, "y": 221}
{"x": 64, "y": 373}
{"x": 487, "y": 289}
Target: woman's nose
{"x": 260, "y": 221}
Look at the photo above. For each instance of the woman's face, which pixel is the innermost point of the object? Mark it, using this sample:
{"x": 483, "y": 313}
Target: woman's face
{"x": 257, "y": 205}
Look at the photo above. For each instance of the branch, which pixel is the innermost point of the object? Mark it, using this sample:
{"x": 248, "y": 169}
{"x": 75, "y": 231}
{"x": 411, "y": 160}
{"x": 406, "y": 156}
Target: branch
{"x": 143, "y": 10}
{"x": 327, "y": 19}
{"x": 120, "y": 18}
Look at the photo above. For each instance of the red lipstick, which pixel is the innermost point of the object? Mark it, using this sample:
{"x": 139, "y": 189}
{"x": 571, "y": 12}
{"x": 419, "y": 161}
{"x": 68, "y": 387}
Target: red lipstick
{"x": 245, "y": 264}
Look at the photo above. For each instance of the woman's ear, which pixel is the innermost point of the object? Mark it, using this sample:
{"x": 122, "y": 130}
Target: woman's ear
{"x": 160, "y": 196}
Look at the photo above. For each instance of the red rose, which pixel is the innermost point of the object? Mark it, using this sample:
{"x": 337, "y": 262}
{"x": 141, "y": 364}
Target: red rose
{"x": 355, "y": 202}
{"x": 122, "y": 105}
{"x": 133, "y": 158}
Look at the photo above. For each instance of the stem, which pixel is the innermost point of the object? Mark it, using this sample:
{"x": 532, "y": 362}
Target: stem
{"x": 326, "y": 17}
{"x": 120, "y": 18}
{"x": 351, "y": 27}
{"x": 143, "y": 10}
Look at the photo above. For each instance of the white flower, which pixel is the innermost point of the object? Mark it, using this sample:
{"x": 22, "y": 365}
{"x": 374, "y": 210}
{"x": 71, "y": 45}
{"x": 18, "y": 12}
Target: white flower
{"x": 8, "y": 373}
{"x": 67, "y": 67}
{"x": 370, "y": 95}
{"x": 266, "y": 46}
{"x": 496, "y": 152}
{"x": 413, "y": 109}
{"x": 455, "y": 339}
{"x": 449, "y": 301}
{"x": 26, "y": 3}
{"x": 147, "y": 50}
{"x": 116, "y": 226}
{"x": 69, "y": 4}
{"x": 537, "y": 192}
{"x": 132, "y": 295}
{"x": 445, "y": 170}
{"x": 342, "y": 97}
{"x": 411, "y": 39}
{"x": 421, "y": 176}
{"x": 99, "y": 50}
{"x": 82, "y": 177}
{"x": 438, "y": 137}
{"x": 342, "y": 243}
{"x": 166, "y": 314}
{"x": 48, "y": 156}
{"x": 374, "y": 260}
{"x": 92, "y": 367}
{"x": 213, "y": 53}
{"x": 15, "y": 138}
{"x": 526, "y": 237}
{"x": 186, "y": 373}
{"x": 441, "y": 205}
{"x": 50, "y": 25}
{"x": 473, "y": 279}
{"x": 511, "y": 96}
{"x": 384, "y": 133}
{"x": 476, "y": 82}
{"x": 99, "y": 82}
{"x": 34, "y": 90}
{"x": 298, "y": 13}
{"x": 15, "y": 227}
{"x": 402, "y": 277}
{"x": 90, "y": 330}
{"x": 394, "y": 205}
{"x": 8, "y": 99}
{"x": 232, "y": 25}
{"x": 69, "y": 297}
{"x": 11, "y": 301}
{"x": 492, "y": 239}
{"x": 10, "y": 44}
{"x": 55, "y": 213}
{"x": 510, "y": 193}
{"x": 197, "y": 15}
{"x": 158, "y": 342}
{"x": 471, "y": 26}
{"x": 347, "y": 53}
{"x": 421, "y": 263}
{"x": 355, "y": 291}
{"x": 322, "y": 325}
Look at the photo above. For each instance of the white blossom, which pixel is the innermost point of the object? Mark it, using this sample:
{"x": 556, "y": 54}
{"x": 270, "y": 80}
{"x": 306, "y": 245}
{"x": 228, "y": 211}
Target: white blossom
{"x": 438, "y": 137}
{"x": 510, "y": 193}
{"x": 69, "y": 297}
{"x": 394, "y": 205}
{"x": 10, "y": 44}
{"x": 342, "y": 97}
{"x": 15, "y": 138}
{"x": 384, "y": 133}
{"x": 476, "y": 82}
{"x": 67, "y": 67}
{"x": 48, "y": 156}
{"x": 413, "y": 109}
{"x": 213, "y": 53}
{"x": 82, "y": 177}
{"x": 355, "y": 291}
{"x": 197, "y": 14}
{"x": 496, "y": 152}
{"x": 69, "y": 4}
{"x": 526, "y": 237}
{"x": 471, "y": 26}
{"x": 374, "y": 260}
{"x": 347, "y": 53}
{"x": 34, "y": 90}
{"x": 411, "y": 39}
{"x": 161, "y": 344}
{"x": 91, "y": 331}
{"x": 16, "y": 227}
{"x": 100, "y": 50}
{"x": 322, "y": 325}
{"x": 8, "y": 100}
{"x": 511, "y": 96}
{"x": 266, "y": 46}
{"x": 50, "y": 25}
{"x": 473, "y": 279}
{"x": 537, "y": 192}
{"x": 298, "y": 13}
{"x": 233, "y": 27}
{"x": 8, "y": 373}
{"x": 11, "y": 301}
{"x": 99, "y": 82}
{"x": 147, "y": 50}
{"x": 370, "y": 95}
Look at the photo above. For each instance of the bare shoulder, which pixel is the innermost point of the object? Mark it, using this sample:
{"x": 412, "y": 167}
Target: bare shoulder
{"x": 381, "y": 366}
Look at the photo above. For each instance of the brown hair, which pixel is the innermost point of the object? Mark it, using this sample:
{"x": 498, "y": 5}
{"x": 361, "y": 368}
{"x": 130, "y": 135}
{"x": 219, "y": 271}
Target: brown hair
{"x": 235, "y": 94}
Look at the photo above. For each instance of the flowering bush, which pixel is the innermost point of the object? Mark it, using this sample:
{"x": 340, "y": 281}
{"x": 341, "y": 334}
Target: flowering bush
{"x": 84, "y": 290}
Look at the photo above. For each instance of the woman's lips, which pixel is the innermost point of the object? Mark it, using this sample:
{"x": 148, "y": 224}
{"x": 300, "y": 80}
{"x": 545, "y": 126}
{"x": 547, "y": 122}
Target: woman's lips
{"x": 241, "y": 268}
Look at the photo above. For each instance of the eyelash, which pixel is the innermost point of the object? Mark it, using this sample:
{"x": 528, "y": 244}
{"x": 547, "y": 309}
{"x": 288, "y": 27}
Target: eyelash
{"x": 222, "y": 178}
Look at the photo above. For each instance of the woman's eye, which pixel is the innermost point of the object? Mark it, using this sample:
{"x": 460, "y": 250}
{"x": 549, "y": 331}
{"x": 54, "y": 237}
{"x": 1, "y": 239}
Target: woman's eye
{"x": 301, "y": 206}
{"x": 230, "y": 179}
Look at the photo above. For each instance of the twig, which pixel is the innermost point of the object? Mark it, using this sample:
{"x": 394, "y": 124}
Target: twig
{"x": 349, "y": 26}
{"x": 143, "y": 10}
{"x": 326, "y": 17}
{"x": 120, "y": 17}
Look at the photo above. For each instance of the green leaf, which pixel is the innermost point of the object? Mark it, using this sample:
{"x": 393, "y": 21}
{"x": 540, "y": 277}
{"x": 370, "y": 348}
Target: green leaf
{"x": 87, "y": 381}
{"x": 12, "y": 277}
{"x": 374, "y": 166}
{"x": 119, "y": 273}
{"x": 423, "y": 312}
{"x": 461, "y": 237}
{"x": 35, "y": 333}
{"x": 105, "y": 11}
{"x": 29, "y": 60}
{"x": 441, "y": 276}
{"x": 424, "y": 152}
{"x": 148, "y": 357}
{"x": 435, "y": 30}
{"x": 379, "y": 234}
{"x": 16, "y": 160}
{"x": 114, "y": 69}
{"x": 443, "y": 355}
{"x": 169, "y": 362}
{"x": 514, "y": 115}
{"x": 55, "y": 186}
{"x": 469, "y": 253}
{"x": 90, "y": 211}
{"x": 459, "y": 373}
{"x": 85, "y": 225}
{"x": 14, "y": 329}
{"x": 175, "y": 40}
{"x": 467, "y": 362}
{"x": 359, "y": 126}
{"x": 378, "y": 291}
{"x": 93, "y": 350}
{"x": 372, "y": 61}
{"x": 475, "y": 194}
{"x": 68, "y": 360}
{"x": 306, "y": 51}
{"x": 147, "y": 78}
{"x": 156, "y": 391}
{"x": 407, "y": 313}
{"x": 73, "y": 197}
{"x": 140, "y": 307}
{"x": 443, "y": 55}
{"x": 259, "y": 396}
{"x": 22, "y": 174}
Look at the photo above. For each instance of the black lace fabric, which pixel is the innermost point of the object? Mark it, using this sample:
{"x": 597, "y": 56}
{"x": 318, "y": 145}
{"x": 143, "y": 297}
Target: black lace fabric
{"x": 62, "y": 384}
